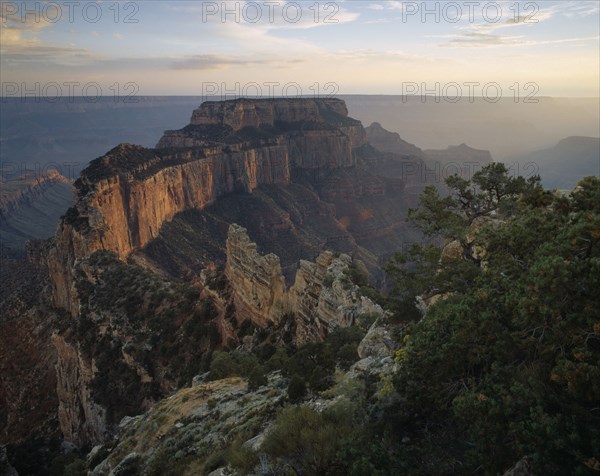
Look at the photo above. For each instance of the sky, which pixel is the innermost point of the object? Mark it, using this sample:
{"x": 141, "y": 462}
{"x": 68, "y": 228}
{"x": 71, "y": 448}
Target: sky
{"x": 465, "y": 48}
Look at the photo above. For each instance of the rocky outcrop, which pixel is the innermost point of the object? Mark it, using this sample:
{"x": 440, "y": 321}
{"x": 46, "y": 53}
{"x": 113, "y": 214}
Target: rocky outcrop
{"x": 257, "y": 281}
{"x": 22, "y": 191}
{"x": 196, "y": 421}
{"x": 322, "y": 297}
{"x": 123, "y": 198}
{"x": 460, "y": 154}
{"x": 81, "y": 420}
{"x": 469, "y": 248}
{"x": 258, "y": 113}
{"x": 523, "y": 468}
{"x": 268, "y": 114}
{"x": 122, "y": 208}
{"x": 387, "y": 141}
{"x": 378, "y": 342}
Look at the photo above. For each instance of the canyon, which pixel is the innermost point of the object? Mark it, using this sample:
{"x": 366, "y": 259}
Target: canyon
{"x": 260, "y": 217}
{"x": 236, "y": 151}
{"x": 309, "y": 149}
{"x": 31, "y": 203}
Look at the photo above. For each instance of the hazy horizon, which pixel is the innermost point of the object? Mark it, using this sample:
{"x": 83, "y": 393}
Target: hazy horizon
{"x": 506, "y": 49}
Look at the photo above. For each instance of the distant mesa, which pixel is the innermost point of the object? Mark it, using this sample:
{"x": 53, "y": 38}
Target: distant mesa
{"x": 387, "y": 141}
{"x": 299, "y": 174}
{"x": 460, "y": 153}
{"x": 30, "y": 207}
{"x": 564, "y": 164}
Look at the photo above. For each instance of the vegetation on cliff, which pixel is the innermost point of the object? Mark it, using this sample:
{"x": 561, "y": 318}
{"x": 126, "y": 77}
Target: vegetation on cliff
{"x": 502, "y": 369}
{"x": 146, "y": 335}
{"x": 506, "y": 365}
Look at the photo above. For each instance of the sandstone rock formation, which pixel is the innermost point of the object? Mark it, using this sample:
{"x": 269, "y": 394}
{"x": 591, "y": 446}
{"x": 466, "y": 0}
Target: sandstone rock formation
{"x": 123, "y": 198}
{"x": 257, "y": 281}
{"x": 31, "y": 206}
{"x": 322, "y": 297}
{"x": 81, "y": 419}
{"x": 298, "y": 172}
{"x": 387, "y": 141}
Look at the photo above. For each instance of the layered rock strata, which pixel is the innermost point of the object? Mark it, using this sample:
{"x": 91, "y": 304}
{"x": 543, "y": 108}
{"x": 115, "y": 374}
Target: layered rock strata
{"x": 322, "y": 297}
{"x": 123, "y": 198}
{"x": 22, "y": 191}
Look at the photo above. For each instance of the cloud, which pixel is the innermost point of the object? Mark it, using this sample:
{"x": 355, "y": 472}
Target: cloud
{"x": 19, "y": 41}
{"x": 367, "y": 54}
{"x": 380, "y": 20}
{"x": 205, "y": 62}
{"x": 118, "y": 36}
{"x": 580, "y": 9}
{"x": 253, "y": 40}
{"x": 286, "y": 15}
{"x": 390, "y": 5}
{"x": 485, "y": 34}
{"x": 482, "y": 40}
{"x": 210, "y": 61}
{"x": 382, "y": 7}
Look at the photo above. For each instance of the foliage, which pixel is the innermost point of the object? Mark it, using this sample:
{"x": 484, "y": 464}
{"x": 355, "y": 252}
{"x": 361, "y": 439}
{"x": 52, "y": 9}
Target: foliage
{"x": 35, "y": 456}
{"x": 315, "y": 362}
{"x": 305, "y": 441}
{"x": 257, "y": 378}
{"x": 358, "y": 274}
{"x": 507, "y": 365}
{"x": 491, "y": 191}
{"x": 238, "y": 363}
{"x": 223, "y": 365}
{"x": 277, "y": 361}
{"x": 135, "y": 322}
{"x": 68, "y": 465}
{"x": 296, "y": 388}
{"x": 118, "y": 387}
{"x": 337, "y": 441}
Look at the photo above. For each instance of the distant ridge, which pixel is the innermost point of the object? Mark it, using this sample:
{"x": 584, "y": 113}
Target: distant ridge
{"x": 564, "y": 164}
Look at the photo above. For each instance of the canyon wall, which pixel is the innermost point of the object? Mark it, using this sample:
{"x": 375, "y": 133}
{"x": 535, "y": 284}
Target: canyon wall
{"x": 81, "y": 420}
{"x": 124, "y": 197}
{"x": 20, "y": 191}
{"x": 322, "y": 297}
{"x": 257, "y": 281}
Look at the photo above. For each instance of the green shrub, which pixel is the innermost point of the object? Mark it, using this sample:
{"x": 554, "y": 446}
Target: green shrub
{"x": 306, "y": 441}
{"x": 296, "y": 389}
{"x": 347, "y": 355}
{"x": 358, "y": 274}
{"x": 278, "y": 361}
{"x": 222, "y": 366}
{"x": 257, "y": 378}
{"x": 242, "y": 458}
{"x": 211, "y": 403}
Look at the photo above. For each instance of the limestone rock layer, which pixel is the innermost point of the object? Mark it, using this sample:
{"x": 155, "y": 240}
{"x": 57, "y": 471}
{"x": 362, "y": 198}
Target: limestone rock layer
{"x": 124, "y": 197}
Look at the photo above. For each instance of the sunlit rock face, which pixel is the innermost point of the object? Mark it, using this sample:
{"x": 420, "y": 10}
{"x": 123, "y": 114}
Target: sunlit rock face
{"x": 321, "y": 299}
{"x": 124, "y": 197}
